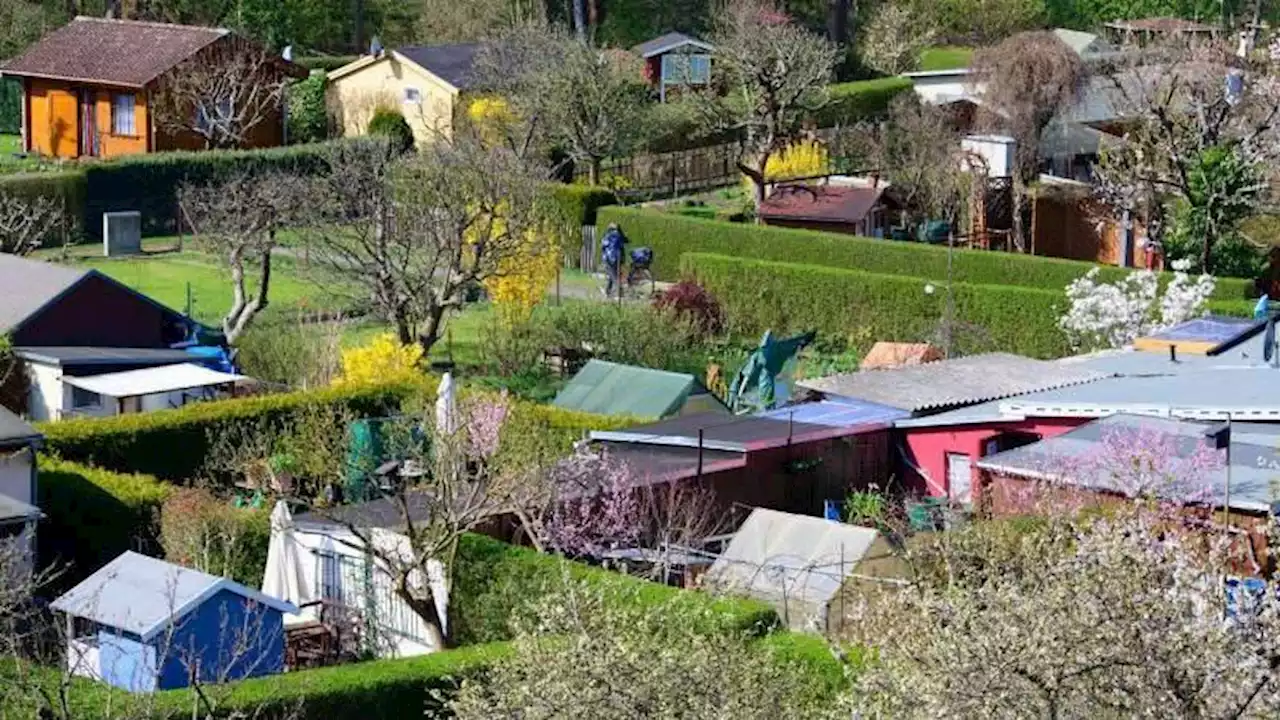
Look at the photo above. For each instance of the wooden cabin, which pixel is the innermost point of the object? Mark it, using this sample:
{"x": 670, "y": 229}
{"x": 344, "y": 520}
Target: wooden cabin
{"x": 90, "y": 87}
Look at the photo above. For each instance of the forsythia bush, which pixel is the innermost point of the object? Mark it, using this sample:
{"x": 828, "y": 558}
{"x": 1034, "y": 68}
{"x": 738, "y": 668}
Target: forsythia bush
{"x": 383, "y": 360}
{"x": 803, "y": 158}
{"x": 491, "y": 116}
{"x": 522, "y": 279}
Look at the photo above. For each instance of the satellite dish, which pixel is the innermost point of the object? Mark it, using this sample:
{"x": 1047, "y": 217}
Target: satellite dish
{"x": 375, "y": 46}
{"x": 1269, "y": 341}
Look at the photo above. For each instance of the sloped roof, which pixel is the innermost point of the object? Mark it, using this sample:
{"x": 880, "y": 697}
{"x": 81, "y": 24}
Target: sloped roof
{"x": 607, "y": 388}
{"x": 125, "y": 53}
{"x": 144, "y": 595}
{"x": 1162, "y": 25}
{"x": 778, "y": 556}
{"x": 1084, "y": 44}
{"x": 948, "y": 383}
{"x": 26, "y": 286}
{"x": 451, "y": 63}
{"x": 15, "y": 431}
{"x": 152, "y": 380}
{"x": 820, "y": 203}
{"x": 667, "y": 43}
{"x": 80, "y": 356}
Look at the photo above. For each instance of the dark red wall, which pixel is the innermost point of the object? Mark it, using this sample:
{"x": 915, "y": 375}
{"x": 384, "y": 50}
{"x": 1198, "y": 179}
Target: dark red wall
{"x": 98, "y": 312}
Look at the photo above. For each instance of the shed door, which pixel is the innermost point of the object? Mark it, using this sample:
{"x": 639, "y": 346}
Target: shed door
{"x": 959, "y": 477}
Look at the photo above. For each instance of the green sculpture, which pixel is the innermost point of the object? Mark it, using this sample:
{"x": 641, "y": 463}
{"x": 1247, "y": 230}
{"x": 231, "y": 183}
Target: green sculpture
{"x": 760, "y": 372}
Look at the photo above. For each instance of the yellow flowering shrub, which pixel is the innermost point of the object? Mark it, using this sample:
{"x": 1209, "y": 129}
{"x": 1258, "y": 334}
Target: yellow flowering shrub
{"x": 804, "y": 158}
{"x": 383, "y": 360}
{"x": 492, "y": 117}
{"x": 523, "y": 278}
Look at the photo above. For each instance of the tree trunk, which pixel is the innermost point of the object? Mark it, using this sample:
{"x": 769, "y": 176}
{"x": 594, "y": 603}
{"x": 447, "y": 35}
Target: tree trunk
{"x": 838, "y": 22}
{"x": 1015, "y": 199}
{"x": 580, "y": 20}
{"x": 431, "y": 331}
{"x": 593, "y": 171}
{"x": 424, "y": 608}
{"x": 242, "y": 312}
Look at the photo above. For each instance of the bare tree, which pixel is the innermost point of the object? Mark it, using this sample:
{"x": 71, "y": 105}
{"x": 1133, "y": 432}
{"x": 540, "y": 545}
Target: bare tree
{"x": 589, "y": 102}
{"x": 918, "y": 151}
{"x": 776, "y": 73}
{"x": 415, "y": 234}
{"x": 223, "y": 95}
{"x": 1186, "y": 139}
{"x": 239, "y": 218}
{"x": 27, "y": 223}
{"x": 1026, "y": 80}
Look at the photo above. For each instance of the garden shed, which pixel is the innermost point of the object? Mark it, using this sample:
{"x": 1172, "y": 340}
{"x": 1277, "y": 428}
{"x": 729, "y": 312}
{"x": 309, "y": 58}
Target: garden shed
{"x": 800, "y": 564}
{"x": 674, "y": 60}
{"x": 607, "y": 388}
{"x": 142, "y": 624}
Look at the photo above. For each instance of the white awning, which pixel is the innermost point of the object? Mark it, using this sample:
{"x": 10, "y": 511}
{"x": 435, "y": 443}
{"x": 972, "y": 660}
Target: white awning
{"x": 151, "y": 381}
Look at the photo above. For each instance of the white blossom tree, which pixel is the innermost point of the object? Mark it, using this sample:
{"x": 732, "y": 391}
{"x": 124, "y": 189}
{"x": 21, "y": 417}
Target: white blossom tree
{"x": 895, "y": 37}
{"x": 1111, "y": 315}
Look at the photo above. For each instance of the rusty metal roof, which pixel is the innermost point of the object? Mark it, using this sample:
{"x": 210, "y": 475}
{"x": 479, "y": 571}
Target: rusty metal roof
{"x": 122, "y": 53}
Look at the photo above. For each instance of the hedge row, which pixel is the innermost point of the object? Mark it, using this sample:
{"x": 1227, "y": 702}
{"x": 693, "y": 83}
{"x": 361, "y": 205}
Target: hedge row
{"x": 495, "y": 584}
{"x": 66, "y": 186}
{"x": 93, "y": 515}
{"x": 865, "y": 307}
{"x": 328, "y": 63}
{"x": 579, "y": 203}
{"x": 671, "y": 235}
{"x": 172, "y": 444}
{"x": 861, "y": 100}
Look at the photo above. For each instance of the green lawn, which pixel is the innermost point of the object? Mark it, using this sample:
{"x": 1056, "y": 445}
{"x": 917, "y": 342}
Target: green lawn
{"x": 10, "y": 145}
{"x": 946, "y": 57}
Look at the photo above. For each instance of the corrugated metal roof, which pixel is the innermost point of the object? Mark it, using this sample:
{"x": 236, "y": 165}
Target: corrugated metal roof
{"x": 777, "y": 556}
{"x": 144, "y": 595}
{"x": 607, "y": 388}
{"x": 1255, "y": 462}
{"x": 742, "y": 433}
{"x": 947, "y": 383}
{"x": 986, "y": 412}
{"x": 1251, "y": 393}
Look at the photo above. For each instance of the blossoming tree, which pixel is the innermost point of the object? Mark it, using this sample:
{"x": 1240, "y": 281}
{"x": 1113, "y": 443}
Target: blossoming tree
{"x": 1111, "y": 315}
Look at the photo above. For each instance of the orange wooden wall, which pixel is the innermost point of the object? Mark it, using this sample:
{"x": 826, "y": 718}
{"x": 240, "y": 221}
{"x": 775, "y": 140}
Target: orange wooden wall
{"x": 54, "y": 118}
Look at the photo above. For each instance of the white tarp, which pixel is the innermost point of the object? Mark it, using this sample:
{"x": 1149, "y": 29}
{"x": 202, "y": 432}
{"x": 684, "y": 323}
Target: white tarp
{"x": 781, "y": 557}
{"x": 152, "y": 381}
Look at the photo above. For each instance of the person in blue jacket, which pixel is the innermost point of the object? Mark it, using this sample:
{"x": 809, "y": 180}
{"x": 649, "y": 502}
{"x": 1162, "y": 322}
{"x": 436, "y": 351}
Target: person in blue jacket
{"x": 612, "y": 247}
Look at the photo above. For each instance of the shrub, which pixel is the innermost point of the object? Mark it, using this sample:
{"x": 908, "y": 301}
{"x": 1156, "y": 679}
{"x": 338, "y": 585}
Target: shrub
{"x": 308, "y": 113}
{"x": 579, "y": 203}
{"x": 327, "y": 63}
{"x": 10, "y": 106}
{"x": 391, "y": 124}
{"x": 205, "y": 532}
{"x": 66, "y": 186}
{"x": 497, "y": 584}
{"x": 149, "y": 183}
{"x": 788, "y": 297}
{"x": 629, "y": 334}
{"x": 691, "y": 302}
{"x": 670, "y": 235}
{"x": 861, "y": 100}
{"x": 172, "y": 444}
{"x": 93, "y": 515}
{"x": 383, "y": 360}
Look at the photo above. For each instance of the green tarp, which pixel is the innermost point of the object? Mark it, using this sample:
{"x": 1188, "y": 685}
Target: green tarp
{"x": 611, "y": 389}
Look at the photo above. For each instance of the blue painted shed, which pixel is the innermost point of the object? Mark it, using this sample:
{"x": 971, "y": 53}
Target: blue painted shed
{"x": 142, "y": 624}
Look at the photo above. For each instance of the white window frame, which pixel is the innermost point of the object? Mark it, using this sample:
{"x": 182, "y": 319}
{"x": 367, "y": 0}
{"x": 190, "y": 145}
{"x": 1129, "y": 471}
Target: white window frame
{"x": 123, "y": 123}
{"x": 412, "y": 95}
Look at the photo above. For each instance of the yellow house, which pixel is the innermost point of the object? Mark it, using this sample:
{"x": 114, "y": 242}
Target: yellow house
{"x": 423, "y": 83}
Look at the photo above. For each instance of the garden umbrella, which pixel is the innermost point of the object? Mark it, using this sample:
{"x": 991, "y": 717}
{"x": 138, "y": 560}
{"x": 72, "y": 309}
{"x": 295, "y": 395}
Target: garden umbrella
{"x": 446, "y": 406}
{"x": 283, "y": 577}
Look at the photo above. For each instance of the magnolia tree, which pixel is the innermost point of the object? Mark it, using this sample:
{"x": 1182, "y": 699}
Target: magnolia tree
{"x": 1111, "y": 315}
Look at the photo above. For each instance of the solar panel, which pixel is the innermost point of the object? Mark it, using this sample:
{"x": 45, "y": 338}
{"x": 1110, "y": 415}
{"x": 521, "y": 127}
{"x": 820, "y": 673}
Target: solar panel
{"x": 1201, "y": 335}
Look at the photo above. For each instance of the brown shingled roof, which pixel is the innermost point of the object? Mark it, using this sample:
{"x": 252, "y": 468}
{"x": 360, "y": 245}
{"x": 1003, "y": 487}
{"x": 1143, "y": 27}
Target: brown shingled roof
{"x": 820, "y": 203}
{"x": 123, "y": 53}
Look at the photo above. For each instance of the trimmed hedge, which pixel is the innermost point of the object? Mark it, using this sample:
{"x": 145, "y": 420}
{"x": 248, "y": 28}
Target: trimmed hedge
{"x": 66, "y": 185}
{"x": 788, "y": 297}
{"x": 861, "y": 100}
{"x": 172, "y": 444}
{"x": 671, "y": 235}
{"x": 328, "y": 63}
{"x": 93, "y": 515}
{"x": 579, "y": 203}
{"x": 495, "y": 583}
{"x": 150, "y": 183}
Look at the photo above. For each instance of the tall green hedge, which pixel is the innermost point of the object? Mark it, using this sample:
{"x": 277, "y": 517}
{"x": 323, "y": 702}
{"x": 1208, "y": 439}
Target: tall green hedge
{"x": 150, "y": 183}
{"x": 10, "y": 106}
{"x": 579, "y": 203}
{"x": 866, "y": 307}
{"x": 93, "y": 515}
{"x": 172, "y": 444}
{"x": 860, "y": 100}
{"x": 671, "y": 235}
{"x": 496, "y": 583}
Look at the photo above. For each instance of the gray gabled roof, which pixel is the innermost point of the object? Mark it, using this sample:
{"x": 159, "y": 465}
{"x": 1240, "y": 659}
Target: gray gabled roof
{"x": 15, "y": 511}
{"x": 144, "y": 596}
{"x": 451, "y": 63}
{"x": 81, "y": 356}
{"x": 15, "y": 431}
{"x": 948, "y": 383}
{"x": 27, "y": 286}
{"x": 667, "y": 43}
